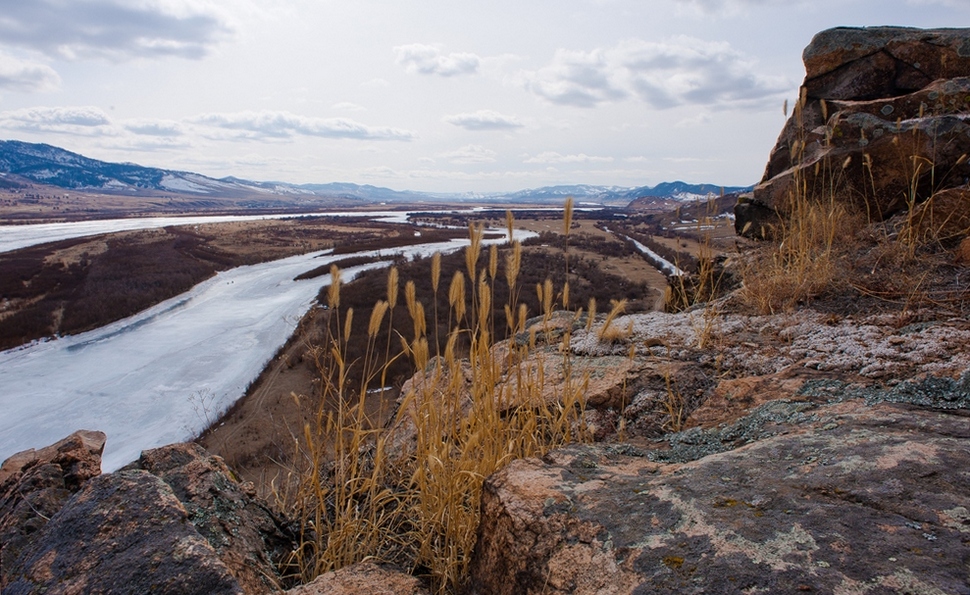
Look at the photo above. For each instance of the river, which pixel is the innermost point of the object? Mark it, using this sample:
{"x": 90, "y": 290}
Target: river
{"x": 156, "y": 377}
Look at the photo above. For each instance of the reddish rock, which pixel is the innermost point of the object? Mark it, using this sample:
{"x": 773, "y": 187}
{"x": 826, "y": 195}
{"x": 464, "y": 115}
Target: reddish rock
{"x": 34, "y": 484}
{"x": 173, "y": 522}
{"x": 884, "y": 125}
{"x": 250, "y": 539}
{"x": 840, "y": 498}
{"x": 365, "y": 577}
{"x": 121, "y": 533}
{"x": 872, "y": 62}
{"x": 78, "y": 455}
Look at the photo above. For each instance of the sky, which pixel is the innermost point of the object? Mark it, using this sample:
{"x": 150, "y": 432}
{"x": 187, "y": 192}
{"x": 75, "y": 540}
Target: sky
{"x": 437, "y": 95}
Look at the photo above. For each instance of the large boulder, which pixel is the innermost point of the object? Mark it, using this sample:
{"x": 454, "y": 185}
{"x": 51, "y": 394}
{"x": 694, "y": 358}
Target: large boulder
{"x": 365, "y": 577}
{"x": 175, "y": 521}
{"x": 249, "y": 538}
{"x": 883, "y": 123}
{"x": 804, "y": 495}
{"x": 35, "y": 484}
{"x": 121, "y": 533}
{"x": 852, "y": 63}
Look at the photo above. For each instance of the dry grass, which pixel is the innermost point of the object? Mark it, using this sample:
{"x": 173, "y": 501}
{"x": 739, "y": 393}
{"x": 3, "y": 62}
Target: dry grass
{"x": 805, "y": 262}
{"x": 359, "y": 495}
{"x": 825, "y": 253}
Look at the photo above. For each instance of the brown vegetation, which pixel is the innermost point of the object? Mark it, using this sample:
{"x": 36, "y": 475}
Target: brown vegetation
{"x": 76, "y": 285}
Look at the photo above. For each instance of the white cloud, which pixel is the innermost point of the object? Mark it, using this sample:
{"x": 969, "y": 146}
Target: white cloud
{"x": 947, "y": 3}
{"x": 429, "y": 59}
{"x": 147, "y": 144}
{"x": 348, "y": 106}
{"x": 484, "y": 120}
{"x": 700, "y": 119}
{"x": 679, "y": 71}
{"x": 470, "y": 154}
{"x": 108, "y": 28}
{"x": 282, "y": 125}
{"x": 85, "y": 120}
{"x": 159, "y": 128}
{"x": 23, "y": 76}
{"x": 730, "y": 7}
{"x": 553, "y": 157}
{"x": 580, "y": 79}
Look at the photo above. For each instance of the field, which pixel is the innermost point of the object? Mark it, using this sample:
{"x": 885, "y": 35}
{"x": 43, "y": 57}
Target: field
{"x": 76, "y": 285}
{"x": 258, "y": 436}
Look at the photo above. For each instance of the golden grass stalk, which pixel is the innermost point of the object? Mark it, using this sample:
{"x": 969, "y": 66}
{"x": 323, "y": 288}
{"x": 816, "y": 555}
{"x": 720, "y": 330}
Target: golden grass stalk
{"x": 471, "y": 416}
{"x": 606, "y": 332}
{"x": 333, "y": 293}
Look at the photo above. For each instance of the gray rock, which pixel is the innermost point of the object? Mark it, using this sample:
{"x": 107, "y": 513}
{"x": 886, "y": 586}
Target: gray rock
{"x": 35, "y": 484}
{"x": 121, "y": 533}
{"x": 365, "y": 577}
{"x": 249, "y": 538}
{"x": 849, "y": 498}
{"x": 884, "y": 125}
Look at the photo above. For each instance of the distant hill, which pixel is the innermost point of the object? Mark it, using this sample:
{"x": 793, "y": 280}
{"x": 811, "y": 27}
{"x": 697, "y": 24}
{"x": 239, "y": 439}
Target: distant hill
{"x": 56, "y": 167}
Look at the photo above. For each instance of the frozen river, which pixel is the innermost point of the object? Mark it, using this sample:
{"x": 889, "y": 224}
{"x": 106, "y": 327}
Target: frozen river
{"x": 14, "y": 237}
{"x": 141, "y": 380}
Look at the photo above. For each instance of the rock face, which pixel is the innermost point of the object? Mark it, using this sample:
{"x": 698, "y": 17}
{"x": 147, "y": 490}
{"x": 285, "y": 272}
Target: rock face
{"x": 34, "y": 484}
{"x": 365, "y": 577}
{"x": 839, "y": 498}
{"x": 173, "y": 522}
{"x": 883, "y": 124}
{"x": 122, "y": 533}
{"x": 246, "y": 535}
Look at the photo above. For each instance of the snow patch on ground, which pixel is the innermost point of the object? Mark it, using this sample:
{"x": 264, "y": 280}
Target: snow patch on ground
{"x": 875, "y": 347}
{"x": 156, "y": 377}
{"x": 171, "y": 182}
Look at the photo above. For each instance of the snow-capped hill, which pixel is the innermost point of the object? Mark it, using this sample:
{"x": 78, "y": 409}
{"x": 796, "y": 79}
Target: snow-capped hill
{"x": 53, "y": 166}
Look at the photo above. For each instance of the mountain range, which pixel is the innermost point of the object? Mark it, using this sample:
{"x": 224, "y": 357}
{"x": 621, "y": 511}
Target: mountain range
{"x": 53, "y": 166}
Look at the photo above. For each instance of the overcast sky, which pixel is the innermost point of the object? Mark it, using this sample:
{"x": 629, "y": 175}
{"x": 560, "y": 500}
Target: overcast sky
{"x": 434, "y": 95}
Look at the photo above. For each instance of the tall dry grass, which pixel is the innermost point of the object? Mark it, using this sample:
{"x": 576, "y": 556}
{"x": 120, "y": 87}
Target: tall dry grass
{"x": 805, "y": 262}
{"x": 360, "y": 492}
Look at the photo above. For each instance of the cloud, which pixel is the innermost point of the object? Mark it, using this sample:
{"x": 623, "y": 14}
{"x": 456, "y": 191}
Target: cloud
{"x": 84, "y": 121}
{"x": 580, "y": 79}
{"x": 349, "y": 106}
{"x": 428, "y": 59}
{"x": 730, "y": 7}
{"x": 282, "y": 125}
{"x": 470, "y": 154}
{"x": 552, "y": 157}
{"x": 22, "y": 76}
{"x": 484, "y": 120}
{"x": 947, "y": 3}
{"x": 148, "y": 144}
{"x": 700, "y": 119}
{"x": 108, "y": 28}
{"x": 679, "y": 71}
{"x": 160, "y": 128}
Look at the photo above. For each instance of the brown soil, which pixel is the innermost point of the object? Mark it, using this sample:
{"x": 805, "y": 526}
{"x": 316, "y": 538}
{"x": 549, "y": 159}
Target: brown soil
{"x": 261, "y": 434}
{"x": 75, "y": 285}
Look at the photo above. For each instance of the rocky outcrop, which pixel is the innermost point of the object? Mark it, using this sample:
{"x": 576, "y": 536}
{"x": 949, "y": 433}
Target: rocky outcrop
{"x": 883, "y": 124}
{"x": 121, "y": 533}
{"x": 365, "y": 577}
{"x": 250, "y": 539}
{"x": 843, "y": 497}
{"x": 35, "y": 484}
{"x": 173, "y": 522}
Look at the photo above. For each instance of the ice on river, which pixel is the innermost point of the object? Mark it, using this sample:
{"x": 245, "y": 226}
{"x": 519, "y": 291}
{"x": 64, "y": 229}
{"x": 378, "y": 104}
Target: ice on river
{"x": 140, "y": 380}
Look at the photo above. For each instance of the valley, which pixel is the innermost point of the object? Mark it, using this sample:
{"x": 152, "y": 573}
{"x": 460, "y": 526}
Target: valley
{"x": 79, "y": 285}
